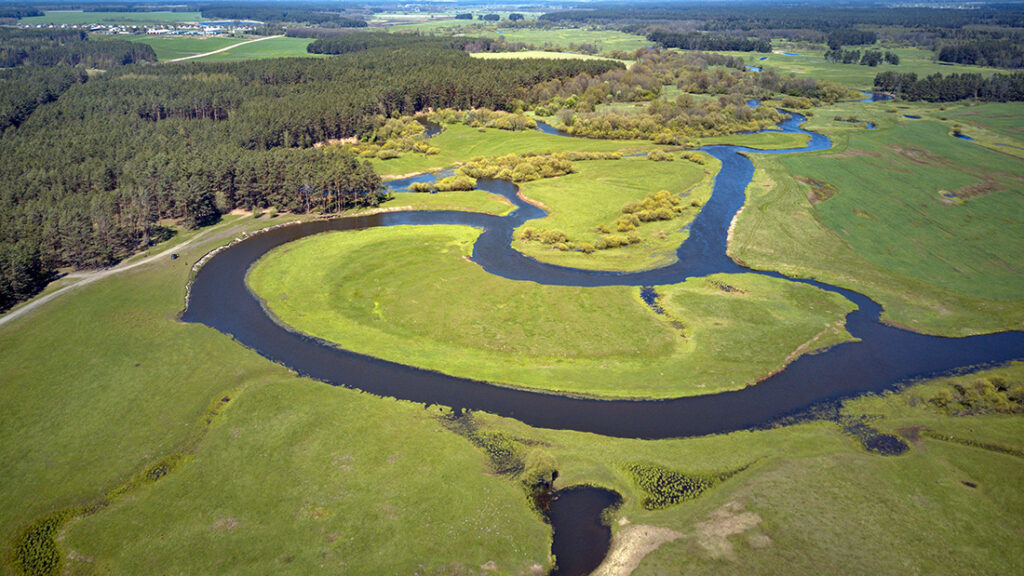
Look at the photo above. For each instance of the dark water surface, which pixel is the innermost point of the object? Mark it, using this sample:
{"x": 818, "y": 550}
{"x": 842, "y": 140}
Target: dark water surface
{"x": 580, "y": 539}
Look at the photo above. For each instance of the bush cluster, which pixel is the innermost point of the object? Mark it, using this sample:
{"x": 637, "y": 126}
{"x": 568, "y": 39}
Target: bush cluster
{"x": 665, "y": 487}
{"x": 393, "y": 138}
{"x": 519, "y": 168}
{"x": 662, "y": 205}
{"x": 449, "y": 184}
{"x": 993, "y": 395}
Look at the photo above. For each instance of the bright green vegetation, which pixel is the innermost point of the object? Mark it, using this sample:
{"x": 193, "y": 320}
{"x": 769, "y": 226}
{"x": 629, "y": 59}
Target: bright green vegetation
{"x": 760, "y": 141}
{"x": 470, "y": 201}
{"x": 812, "y": 64}
{"x": 922, "y": 222}
{"x": 586, "y": 205}
{"x": 169, "y": 48}
{"x": 460, "y": 143}
{"x": 129, "y": 18}
{"x": 603, "y": 40}
{"x": 538, "y": 54}
{"x": 283, "y": 47}
{"x": 103, "y": 386}
{"x": 808, "y": 499}
{"x": 342, "y": 480}
{"x": 374, "y": 292}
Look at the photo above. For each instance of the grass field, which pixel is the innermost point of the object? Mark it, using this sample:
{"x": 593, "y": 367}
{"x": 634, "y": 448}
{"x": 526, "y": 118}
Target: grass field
{"x": 378, "y": 299}
{"x": 460, "y": 143}
{"x": 811, "y": 63}
{"x": 923, "y": 222}
{"x": 169, "y": 48}
{"x": 284, "y": 47}
{"x": 128, "y": 18}
{"x": 142, "y": 388}
{"x": 527, "y": 54}
{"x": 812, "y": 500}
{"x": 603, "y": 40}
{"x": 579, "y": 203}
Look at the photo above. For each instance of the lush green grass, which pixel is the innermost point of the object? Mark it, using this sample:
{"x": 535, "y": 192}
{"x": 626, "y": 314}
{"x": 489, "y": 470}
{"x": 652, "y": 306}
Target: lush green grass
{"x": 129, "y": 18}
{"x": 375, "y": 292}
{"x": 812, "y": 500}
{"x": 470, "y": 201}
{"x": 460, "y": 143}
{"x": 104, "y": 382}
{"x": 169, "y": 48}
{"x": 923, "y": 222}
{"x": 594, "y": 196}
{"x": 284, "y": 47}
{"x": 604, "y": 40}
{"x": 812, "y": 64}
{"x": 298, "y": 477}
{"x": 528, "y": 54}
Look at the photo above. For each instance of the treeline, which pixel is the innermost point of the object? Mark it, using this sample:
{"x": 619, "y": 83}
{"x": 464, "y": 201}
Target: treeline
{"x": 86, "y": 180}
{"x": 54, "y": 47}
{"x": 817, "y": 16}
{"x": 345, "y": 43}
{"x": 851, "y": 37}
{"x": 937, "y": 88}
{"x": 269, "y": 13}
{"x": 698, "y": 41}
{"x": 999, "y": 53}
{"x": 16, "y": 12}
{"x": 868, "y": 58}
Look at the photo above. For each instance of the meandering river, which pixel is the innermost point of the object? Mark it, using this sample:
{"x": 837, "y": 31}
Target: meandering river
{"x": 884, "y": 357}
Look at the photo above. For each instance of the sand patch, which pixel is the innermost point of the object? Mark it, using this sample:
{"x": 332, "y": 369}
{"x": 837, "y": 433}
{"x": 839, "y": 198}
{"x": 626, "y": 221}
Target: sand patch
{"x": 630, "y": 545}
{"x": 729, "y": 520}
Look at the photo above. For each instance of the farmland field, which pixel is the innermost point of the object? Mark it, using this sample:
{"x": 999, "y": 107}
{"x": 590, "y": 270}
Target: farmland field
{"x": 127, "y": 18}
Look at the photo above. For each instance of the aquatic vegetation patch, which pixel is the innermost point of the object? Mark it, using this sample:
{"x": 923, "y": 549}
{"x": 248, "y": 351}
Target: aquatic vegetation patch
{"x": 666, "y": 487}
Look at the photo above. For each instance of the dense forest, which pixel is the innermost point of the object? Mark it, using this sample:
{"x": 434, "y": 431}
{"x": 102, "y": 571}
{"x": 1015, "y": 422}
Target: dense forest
{"x": 87, "y": 179}
{"x": 999, "y": 53}
{"x": 820, "y": 17}
{"x": 53, "y": 47}
{"x": 939, "y": 88}
{"x": 698, "y": 41}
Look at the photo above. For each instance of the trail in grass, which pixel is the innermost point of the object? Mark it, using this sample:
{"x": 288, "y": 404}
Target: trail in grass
{"x": 224, "y": 49}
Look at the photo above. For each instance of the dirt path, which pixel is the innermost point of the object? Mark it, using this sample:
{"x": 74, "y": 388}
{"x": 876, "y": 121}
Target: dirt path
{"x": 86, "y": 277}
{"x": 226, "y": 48}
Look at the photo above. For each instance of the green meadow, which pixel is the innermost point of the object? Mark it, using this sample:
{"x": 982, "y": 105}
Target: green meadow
{"x": 810, "y": 499}
{"x": 921, "y": 221}
{"x": 171, "y": 47}
{"x": 373, "y": 292}
{"x": 77, "y": 17}
{"x": 283, "y": 47}
{"x": 460, "y": 143}
{"x": 602, "y": 40}
{"x": 151, "y": 396}
{"x": 590, "y": 200}
{"x": 811, "y": 63}
{"x": 538, "y": 54}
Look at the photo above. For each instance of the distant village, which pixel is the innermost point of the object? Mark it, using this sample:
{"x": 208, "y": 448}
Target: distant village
{"x": 169, "y": 29}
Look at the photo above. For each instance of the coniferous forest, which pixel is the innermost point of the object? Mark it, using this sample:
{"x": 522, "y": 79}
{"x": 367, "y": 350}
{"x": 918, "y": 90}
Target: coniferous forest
{"x": 87, "y": 179}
